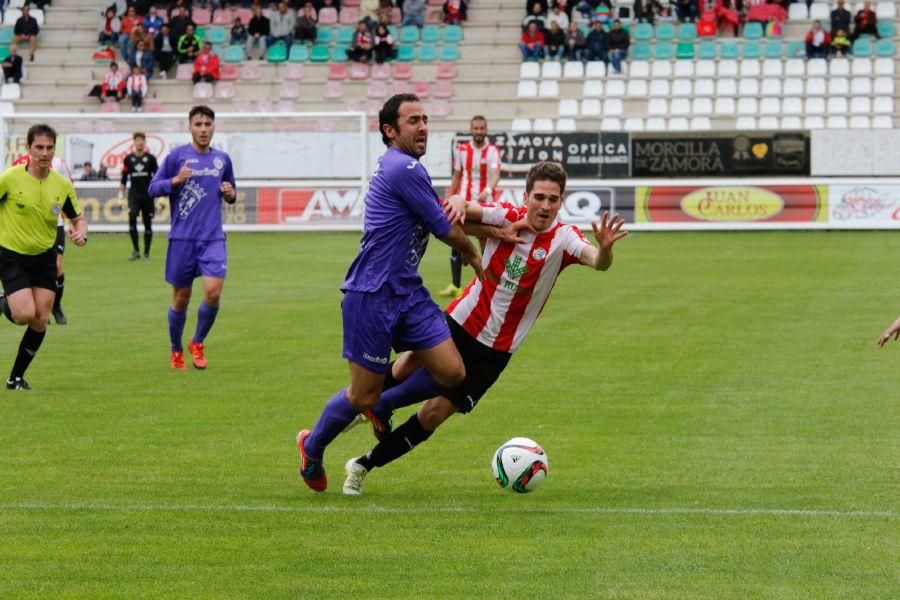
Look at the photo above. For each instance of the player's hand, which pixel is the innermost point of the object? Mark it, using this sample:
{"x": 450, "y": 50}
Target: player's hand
{"x": 608, "y": 232}
{"x": 892, "y": 331}
{"x": 455, "y": 209}
{"x": 227, "y": 191}
{"x": 122, "y": 188}
{"x": 512, "y": 232}
{"x": 484, "y": 196}
{"x": 473, "y": 259}
{"x": 183, "y": 175}
{"x": 76, "y": 237}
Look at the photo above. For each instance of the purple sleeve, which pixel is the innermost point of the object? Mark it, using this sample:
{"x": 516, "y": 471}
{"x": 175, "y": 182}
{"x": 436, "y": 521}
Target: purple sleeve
{"x": 228, "y": 173}
{"x": 418, "y": 194}
{"x": 161, "y": 185}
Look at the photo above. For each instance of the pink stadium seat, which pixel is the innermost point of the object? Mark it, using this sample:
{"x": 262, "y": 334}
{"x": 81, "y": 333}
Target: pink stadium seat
{"x": 435, "y": 2}
{"x": 125, "y": 70}
{"x": 402, "y": 71}
{"x": 382, "y": 71}
{"x": 250, "y": 71}
{"x": 349, "y": 16}
{"x": 377, "y": 89}
{"x": 334, "y": 90}
{"x": 353, "y": 106}
{"x": 293, "y": 71}
{"x": 243, "y": 106}
{"x": 434, "y": 16}
{"x": 203, "y": 91}
{"x": 328, "y": 16}
{"x": 446, "y": 71}
{"x": 396, "y": 16}
{"x": 201, "y": 16}
{"x": 372, "y": 108}
{"x": 229, "y": 72}
{"x": 400, "y": 87}
{"x": 350, "y": 3}
{"x": 286, "y": 106}
{"x": 184, "y": 72}
{"x": 290, "y": 90}
{"x": 225, "y": 90}
{"x": 223, "y": 16}
{"x": 443, "y": 89}
{"x": 373, "y": 124}
{"x": 106, "y": 126}
{"x": 421, "y": 89}
{"x": 359, "y": 71}
{"x": 263, "y": 106}
{"x": 337, "y": 72}
{"x": 439, "y": 108}
{"x": 110, "y": 107}
{"x": 83, "y": 126}
{"x": 245, "y": 14}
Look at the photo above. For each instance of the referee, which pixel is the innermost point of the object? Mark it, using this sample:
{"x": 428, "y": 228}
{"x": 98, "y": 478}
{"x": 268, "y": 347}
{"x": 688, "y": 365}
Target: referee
{"x": 141, "y": 166}
{"x": 32, "y": 197}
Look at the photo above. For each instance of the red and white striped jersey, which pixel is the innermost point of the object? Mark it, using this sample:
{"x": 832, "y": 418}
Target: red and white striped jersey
{"x": 475, "y": 165}
{"x": 518, "y": 278}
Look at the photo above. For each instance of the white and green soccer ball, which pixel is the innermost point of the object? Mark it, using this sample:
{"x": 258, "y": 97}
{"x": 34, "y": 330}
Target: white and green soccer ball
{"x": 520, "y": 465}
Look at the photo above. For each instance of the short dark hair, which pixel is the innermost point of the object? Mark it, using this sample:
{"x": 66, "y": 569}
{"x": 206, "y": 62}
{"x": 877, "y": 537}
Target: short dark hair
{"x": 139, "y": 134}
{"x": 478, "y": 118}
{"x": 546, "y": 171}
{"x": 40, "y": 129}
{"x": 201, "y": 110}
{"x": 113, "y": 64}
{"x": 390, "y": 113}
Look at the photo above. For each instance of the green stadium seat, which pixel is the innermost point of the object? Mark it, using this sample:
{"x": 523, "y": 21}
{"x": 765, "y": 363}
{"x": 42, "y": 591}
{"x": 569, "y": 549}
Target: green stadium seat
{"x": 4, "y": 53}
{"x": 428, "y": 53}
{"x": 687, "y": 32}
{"x": 753, "y": 30}
{"x": 201, "y": 33}
{"x": 319, "y": 53}
{"x": 449, "y": 53}
{"x": 392, "y": 29}
{"x": 773, "y": 49}
{"x": 6, "y": 36}
{"x": 299, "y": 53}
{"x": 862, "y": 48}
{"x": 220, "y": 51}
{"x": 643, "y": 32}
{"x": 886, "y": 29}
{"x": 796, "y": 49}
{"x": 707, "y": 50}
{"x": 324, "y": 35}
{"x": 750, "y": 50}
{"x": 276, "y": 54}
{"x": 665, "y": 32}
{"x": 729, "y": 50}
{"x": 431, "y": 34}
{"x": 234, "y": 54}
{"x": 640, "y": 51}
{"x": 684, "y": 50}
{"x": 217, "y": 35}
{"x": 339, "y": 53}
{"x": 584, "y": 28}
{"x": 884, "y": 48}
{"x": 663, "y": 52}
{"x": 344, "y": 35}
{"x": 453, "y": 33}
{"x": 406, "y": 53}
{"x": 409, "y": 34}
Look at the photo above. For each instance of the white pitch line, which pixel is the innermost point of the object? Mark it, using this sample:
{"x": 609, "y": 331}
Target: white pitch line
{"x": 789, "y": 512}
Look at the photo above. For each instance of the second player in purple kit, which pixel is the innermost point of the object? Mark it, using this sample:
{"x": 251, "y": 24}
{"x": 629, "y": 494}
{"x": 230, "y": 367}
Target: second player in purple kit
{"x": 196, "y": 178}
{"x": 385, "y": 302}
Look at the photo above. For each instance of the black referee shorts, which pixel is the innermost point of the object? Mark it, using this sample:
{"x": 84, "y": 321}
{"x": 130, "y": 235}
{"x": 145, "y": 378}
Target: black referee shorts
{"x": 483, "y": 367}
{"x": 60, "y": 244}
{"x": 21, "y": 271}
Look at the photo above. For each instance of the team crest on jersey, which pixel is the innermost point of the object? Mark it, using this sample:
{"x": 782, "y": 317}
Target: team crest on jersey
{"x": 191, "y": 195}
{"x": 56, "y": 208}
{"x": 539, "y": 254}
{"x": 218, "y": 163}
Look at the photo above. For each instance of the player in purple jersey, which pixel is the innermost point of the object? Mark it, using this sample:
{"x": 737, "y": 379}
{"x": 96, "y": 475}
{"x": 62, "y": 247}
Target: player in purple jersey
{"x": 385, "y": 302}
{"x": 196, "y": 178}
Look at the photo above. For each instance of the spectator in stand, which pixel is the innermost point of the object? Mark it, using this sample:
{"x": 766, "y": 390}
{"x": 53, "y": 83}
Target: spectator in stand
{"x": 239, "y": 33}
{"x": 455, "y": 11}
{"x": 88, "y": 173}
{"x": 164, "y": 51}
{"x": 320, "y": 4}
{"x": 206, "y": 65}
{"x": 686, "y": 10}
{"x": 136, "y": 89}
{"x": 532, "y": 44}
{"x": 840, "y": 18}
{"x": 617, "y": 43}
{"x": 384, "y": 44}
{"x": 665, "y": 15}
{"x": 178, "y": 24}
{"x": 841, "y": 44}
{"x": 360, "y": 49}
{"x": 305, "y": 29}
{"x": 603, "y": 13}
{"x": 595, "y": 43}
{"x": 385, "y": 13}
{"x": 368, "y": 10}
{"x": 282, "y": 25}
{"x": 865, "y": 21}
{"x": 153, "y": 22}
{"x": 143, "y": 58}
{"x": 559, "y": 17}
{"x": 530, "y": 6}
{"x": 138, "y": 35}
{"x": 414, "y": 12}
{"x": 127, "y": 24}
{"x": 574, "y": 42}
{"x": 109, "y": 27}
{"x": 26, "y": 30}
{"x": 555, "y": 40}
{"x": 102, "y": 174}
{"x": 189, "y": 46}
{"x": 113, "y": 85}
{"x": 179, "y": 7}
{"x": 589, "y": 8}
{"x": 536, "y": 16}
{"x": 259, "y": 29}
{"x": 12, "y": 66}
{"x": 645, "y": 10}
{"x": 565, "y": 6}
{"x": 818, "y": 41}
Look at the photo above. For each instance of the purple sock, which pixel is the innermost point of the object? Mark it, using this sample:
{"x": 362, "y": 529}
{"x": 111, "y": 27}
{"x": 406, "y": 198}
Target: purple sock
{"x": 418, "y": 387}
{"x": 337, "y": 414}
{"x": 206, "y": 316}
{"x": 176, "y": 328}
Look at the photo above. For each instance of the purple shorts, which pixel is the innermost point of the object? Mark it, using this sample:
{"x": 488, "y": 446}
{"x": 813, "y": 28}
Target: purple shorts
{"x": 186, "y": 260}
{"x": 374, "y": 322}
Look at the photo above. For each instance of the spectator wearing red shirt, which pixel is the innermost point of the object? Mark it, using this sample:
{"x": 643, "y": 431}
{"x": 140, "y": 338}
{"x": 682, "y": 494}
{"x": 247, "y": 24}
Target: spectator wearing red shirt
{"x": 360, "y": 49}
{"x": 532, "y": 45}
{"x": 127, "y": 23}
{"x": 206, "y": 65}
{"x": 455, "y": 11}
{"x": 866, "y": 22}
{"x": 113, "y": 85}
{"x": 136, "y": 89}
{"x": 818, "y": 41}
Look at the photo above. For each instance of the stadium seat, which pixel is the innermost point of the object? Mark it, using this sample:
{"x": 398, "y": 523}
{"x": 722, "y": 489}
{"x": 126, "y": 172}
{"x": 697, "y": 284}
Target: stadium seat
{"x": 422, "y": 89}
{"x": 203, "y": 91}
{"x": 613, "y": 107}
{"x": 687, "y": 32}
{"x": 527, "y": 89}
{"x": 328, "y": 16}
{"x": 798, "y": 12}
{"x": 339, "y": 53}
{"x": 838, "y": 86}
{"x": 860, "y": 67}
{"x": 438, "y": 108}
{"x": 449, "y": 52}
{"x": 217, "y": 36}
{"x": 377, "y": 90}
{"x": 249, "y": 71}
{"x": 636, "y": 88}
{"x": 663, "y": 51}
{"x": 860, "y": 122}
{"x": 334, "y": 90}
{"x": 884, "y": 86}
{"x": 768, "y": 123}
{"x": 813, "y": 122}
{"x": 680, "y": 106}
{"x": 565, "y": 124}
{"x": 543, "y": 124}
{"x": 660, "y": 69}
{"x": 595, "y": 69}
{"x": 453, "y": 33}
{"x": 358, "y": 71}
{"x": 795, "y": 67}
{"x": 747, "y": 106}
{"x": 634, "y": 124}
{"x": 655, "y": 124}
{"x": 406, "y": 53}
{"x": 184, "y": 72}
{"x": 862, "y": 48}
{"x": 276, "y": 54}
{"x": 659, "y": 88}
{"x": 861, "y": 86}
{"x": 860, "y": 106}
{"x": 443, "y": 89}
{"x": 772, "y": 67}
{"x": 402, "y": 71}
{"x": 6, "y": 36}
{"x": 726, "y": 87}
{"x": 771, "y": 86}
{"x": 615, "y": 88}
{"x": 520, "y": 124}
{"x": 792, "y": 87}
{"x": 770, "y": 106}
{"x": 882, "y": 105}
{"x": 702, "y": 106}
{"x": 234, "y": 54}
{"x": 683, "y": 68}
{"x": 635, "y": 69}
{"x": 728, "y": 68}
{"x": 337, "y": 72}
{"x": 344, "y": 35}
{"x": 293, "y": 72}
{"x": 658, "y": 107}
{"x": 665, "y": 32}
{"x": 791, "y": 122}
{"x": 750, "y": 50}
{"x": 430, "y": 34}
{"x": 592, "y": 89}
{"x": 836, "y": 122}
{"x": 729, "y": 50}
{"x": 409, "y": 34}
{"x": 745, "y": 124}
{"x": 446, "y": 71}
{"x": 678, "y": 124}
{"x": 319, "y": 53}
{"x": 884, "y": 66}
{"x": 11, "y": 16}
{"x": 551, "y": 70}
{"x": 229, "y": 72}
{"x": 201, "y": 16}
{"x": 792, "y": 106}
{"x": 289, "y": 90}
{"x": 548, "y": 89}
{"x": 348, "y": 16}
{"x": 886, "y": 10}
{"x": 840, "y": 66}
{"x": 750, "y": 68}
{"x": 611, "y": 124}
{"x": 684, "y": 51}
{"x": 707, "y": 50}
{"x": 704, "y": 88}
{"x": 753, "y": 30}
{"x": 245, "y": 14}
{"x": 884, "y": 48}
{"x": 748, "y": 86}
{"x": 815, "y": 106}
{"x": 428, "y": 53}
{"x": 590, "y": 107}
{"x": 817, "y": 67}
{"x": 396, "y": 15}
{"x": 223, "y": 16}
{"x": 773, "y": 49}
{"x": 4, "y": 54}
{"x": 641, "y": 51}
{"x": 819, "y": 11}
{"x": 399, "y": 87}
{"x": 682, "y": 88}
{"x": 700, "y": 124}
{"x": 796, "y": 49}
{"x": 324, "y": 35}
{"x": 529, "y": 70}
{"x": 574, "y": 69}
{"x": 106, "y": 107}
{"x": 299, "y": 53}
{"x": 886, "y": 29}
{"x": 882, "y": 122}
{"x": 643, "y": 32}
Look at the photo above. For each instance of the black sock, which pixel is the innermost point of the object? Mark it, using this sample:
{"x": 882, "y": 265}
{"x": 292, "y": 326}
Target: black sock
{"x": 60, "y": 288}
{"x": 31, "y": 341}
{"x": 399, "y": 442}
{"x": 132, "y": 231}
{"x": 389, "y": 380}
{"x": 148, "y": 233}
{"x": 456, "y": 267}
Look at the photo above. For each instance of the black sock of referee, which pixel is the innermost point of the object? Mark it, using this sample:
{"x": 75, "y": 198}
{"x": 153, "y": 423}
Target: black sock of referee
{"x": 399, "y": 442}
{"x": 456, "y": 267}
{"x": 31, "y": 341}
{"x": 60, "y": 288}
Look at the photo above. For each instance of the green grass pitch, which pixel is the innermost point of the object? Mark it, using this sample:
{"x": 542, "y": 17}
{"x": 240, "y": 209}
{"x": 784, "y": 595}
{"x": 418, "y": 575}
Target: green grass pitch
{"x": 719, "y": 423}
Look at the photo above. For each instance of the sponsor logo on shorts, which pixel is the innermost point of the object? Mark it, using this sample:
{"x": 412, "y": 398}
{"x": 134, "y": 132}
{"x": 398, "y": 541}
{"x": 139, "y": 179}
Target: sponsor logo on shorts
{"x": 375, "y": 359}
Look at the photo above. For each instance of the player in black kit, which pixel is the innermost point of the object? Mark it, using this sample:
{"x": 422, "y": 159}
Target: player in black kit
{"x": 141, "y": 166}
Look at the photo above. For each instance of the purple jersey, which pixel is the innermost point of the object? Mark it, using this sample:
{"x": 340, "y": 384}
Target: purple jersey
{"x": 401, "y": 208}
{"x": 197, "y": 203}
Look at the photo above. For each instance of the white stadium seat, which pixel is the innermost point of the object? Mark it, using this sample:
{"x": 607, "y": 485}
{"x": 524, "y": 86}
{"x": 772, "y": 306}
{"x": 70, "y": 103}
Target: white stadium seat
{"x": 611, "y": 124}
{"x": 817, "y": 67}
{"x": 684, "y": 68}
{"x": 745, "y": 124}
{"x": 770, "y": 123}
{"x": 568, "y": 108}
{"x": 659, "y": 88}
{"x": 615, "y": 88}
{"x": 798, "y": 12}
{"x": 883, "y": 86}
{"x": 11, "y": 16}
{"x": 725, "y": 107}
{"x": 813, "y": 122}
{"x": 700, "y": 124}
{"x": 521, "y": 124}
{"x": 655, "y": 124}
{"x": 634, "y": 124}
{"x": 702, "y": 106}
{"x": 639, "y": 68}
{"x": 819, "y": 12}
{"x": 592, "y": 89}
{"x": 661, "y": 68}
{"x": 838, "y": 86}
{"x": 595, "y": 69}
{"x": 658, "y": 107}
{"x": 748, "y": 86}
{"x": 548, "y": 89}
{"x": 861, "y": 105}
{"x": 839, "y": 66}
{"x": 590, "y": 107}
{"x": 837, "y": 106}
{"x": 10, "y": 91}
{"x": 529, "y": 70}
{"x": 771, "y": 86}
{"x": 728, "y": 68}
{"x": 860, "y": 122}
{"x": 883, "y": 105}
{"x": 795, "y": 67}
{"x": 861, "y": 86}
{"x": 565, "y": 124}
{"x": 883, "y": 122}
{"x": 836, "y": 122}
{"x": 680, "y": 106}
{"x": 792, "y": 106}
{"x": 750, "y": 68}
{"x": 791, "y": 122}
{"x": 793, "y": 87}
{"x": 527, "y": 89}
{"x": 705, "y": 68}
{"x": 704, "y": 87}
{"x": 747, "y": 106}
{"x": 637, "y": 88}
{"x": 726, "y": 87}
{"x": 543, "y": 125}
{"x": 551, "y": 70}
{"x": 613, "y": 107}
{"x": 815, "y": 86}
{"x": 884, "y": 66}
{"x": 682, "y": 88}
{"x": 861, "y": 66}
{"x": 886, "y": 10}
{"x": 770, "y": 106}
{"x": 574, "y": 69}
{"x": 772, "y": 67}
{"x": 815, "y": 106}
{"x": 679, "y": 124}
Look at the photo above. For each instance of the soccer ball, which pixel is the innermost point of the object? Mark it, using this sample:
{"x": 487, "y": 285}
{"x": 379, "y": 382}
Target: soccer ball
{"x": 520, "y": 465}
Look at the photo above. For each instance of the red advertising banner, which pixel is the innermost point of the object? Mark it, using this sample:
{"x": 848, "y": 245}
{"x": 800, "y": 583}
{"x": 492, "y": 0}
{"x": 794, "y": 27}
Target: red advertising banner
{"x": 732, "y": 204}
{"x": 282, "y": 206}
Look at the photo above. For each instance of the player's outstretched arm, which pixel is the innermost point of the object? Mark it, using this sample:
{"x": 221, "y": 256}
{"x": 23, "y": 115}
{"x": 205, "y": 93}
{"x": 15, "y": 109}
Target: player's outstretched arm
{"x": 606, "y": 234}
{"x": 459, "y": 241}
{"x": 892, "y": 331}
